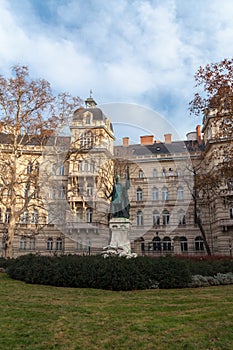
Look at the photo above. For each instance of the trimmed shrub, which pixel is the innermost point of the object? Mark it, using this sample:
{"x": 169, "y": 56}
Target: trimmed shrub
{"x": 96, "y": 272}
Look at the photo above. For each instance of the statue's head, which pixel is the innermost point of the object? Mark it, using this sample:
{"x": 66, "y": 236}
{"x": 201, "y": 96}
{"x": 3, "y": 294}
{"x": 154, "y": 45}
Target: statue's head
{"x": 118, "y": 178}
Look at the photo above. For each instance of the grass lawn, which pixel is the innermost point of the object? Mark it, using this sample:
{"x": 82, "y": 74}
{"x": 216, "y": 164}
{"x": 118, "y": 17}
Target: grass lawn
{"x": 45, "y": 317}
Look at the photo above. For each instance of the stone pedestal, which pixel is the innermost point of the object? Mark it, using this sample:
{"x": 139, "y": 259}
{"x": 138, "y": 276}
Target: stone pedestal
{"x": 119, "y": 243}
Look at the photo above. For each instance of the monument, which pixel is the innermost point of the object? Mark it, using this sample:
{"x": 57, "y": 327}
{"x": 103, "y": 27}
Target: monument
{"x": 119, "y": 223}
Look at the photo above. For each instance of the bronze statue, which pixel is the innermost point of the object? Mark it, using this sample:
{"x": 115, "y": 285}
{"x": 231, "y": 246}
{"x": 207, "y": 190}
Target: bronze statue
{"x": 120, "y": 202}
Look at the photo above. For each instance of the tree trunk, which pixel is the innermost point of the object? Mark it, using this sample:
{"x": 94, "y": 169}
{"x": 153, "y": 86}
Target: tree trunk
{"x": 10, "y": 238}
{"x": 207, "y": 247}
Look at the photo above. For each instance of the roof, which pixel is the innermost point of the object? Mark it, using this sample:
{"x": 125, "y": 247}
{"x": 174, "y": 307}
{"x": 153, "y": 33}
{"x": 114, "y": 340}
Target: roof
{"x": 164, "y": 148}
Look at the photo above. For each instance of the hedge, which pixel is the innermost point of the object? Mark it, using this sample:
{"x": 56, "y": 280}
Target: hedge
{"x": 116, "y": 273}
{"x": 96, "y": 272}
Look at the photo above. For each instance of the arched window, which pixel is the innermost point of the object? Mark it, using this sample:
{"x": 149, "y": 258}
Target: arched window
{"x": 22, "y": 243}
{"x": 140, "y": 174}
{"x": 139, "y": 218}
{"x": 164, "y": 194}
{"x": 139, "y": 194}
{"x": 155, "y": 173}
{"x": 156, "y": 218}
{"x": 89, "y": 214}
{"x": 182, "y": 218}
{"x": 50, "y": 244}
{"x": 142, "y": 244}
{"x": 199, "y": 243}
{"x": 231, "y": 213}
{"x": 155, "y": 194}
{"x": 166, "y": 217}
{"x": 180, "y": 193}
{"x": 163, "y": 173}
{"x": 183, "y": 244}
{"x": 59, "y": 243}
{"x": 167, "y": 246}
{"x": 157, "y": 244}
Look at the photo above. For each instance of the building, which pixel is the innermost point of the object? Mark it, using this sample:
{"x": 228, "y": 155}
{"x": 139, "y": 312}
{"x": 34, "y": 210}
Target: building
{"x": 67, "y": 209}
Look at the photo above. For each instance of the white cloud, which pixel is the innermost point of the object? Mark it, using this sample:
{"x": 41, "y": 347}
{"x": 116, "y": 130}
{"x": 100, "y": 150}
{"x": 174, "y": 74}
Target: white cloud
{"x": 137, "y": 51}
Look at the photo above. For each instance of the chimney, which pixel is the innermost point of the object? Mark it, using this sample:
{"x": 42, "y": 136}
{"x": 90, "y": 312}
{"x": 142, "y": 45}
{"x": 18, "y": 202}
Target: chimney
{"x": 125, "y": 141}
{"x": 198, "y": 131}
{"x": 147, "y": 140}
{"x": 168, "y": 138}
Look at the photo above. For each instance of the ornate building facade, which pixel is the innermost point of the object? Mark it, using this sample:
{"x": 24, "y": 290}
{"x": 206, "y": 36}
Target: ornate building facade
{"x": 73, "y": 218}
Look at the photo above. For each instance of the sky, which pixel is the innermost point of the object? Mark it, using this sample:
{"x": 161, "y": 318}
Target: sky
{"x": 139, "y": 52}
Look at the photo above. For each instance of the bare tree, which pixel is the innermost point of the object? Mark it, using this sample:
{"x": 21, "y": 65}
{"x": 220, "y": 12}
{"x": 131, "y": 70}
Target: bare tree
{"x": 214, "y": 100}
{"x": 29, "y": 113}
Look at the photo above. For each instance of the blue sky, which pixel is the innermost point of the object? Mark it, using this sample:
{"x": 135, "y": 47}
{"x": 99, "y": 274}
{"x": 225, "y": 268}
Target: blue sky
{"x": 127, "y": 51}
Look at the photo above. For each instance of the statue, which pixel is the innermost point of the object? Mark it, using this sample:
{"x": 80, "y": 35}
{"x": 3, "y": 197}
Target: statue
{"x": 120, "y": 202}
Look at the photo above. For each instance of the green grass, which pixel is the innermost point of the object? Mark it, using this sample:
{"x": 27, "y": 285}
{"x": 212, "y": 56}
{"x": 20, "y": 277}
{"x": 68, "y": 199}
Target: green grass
{"x": 45, "y": 317}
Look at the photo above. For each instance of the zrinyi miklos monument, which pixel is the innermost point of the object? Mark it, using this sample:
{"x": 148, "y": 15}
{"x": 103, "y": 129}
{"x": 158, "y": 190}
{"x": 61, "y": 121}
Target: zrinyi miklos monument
{"x": 119, "y": 224}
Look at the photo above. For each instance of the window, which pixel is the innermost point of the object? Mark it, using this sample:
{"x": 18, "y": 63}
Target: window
{"x": 88, "y": 247}
{"x": 35, "y": 215}
{"x": 139, "y": 194}
{"x": 92, "y": 166}
{"x": 29, "y": 168}
{"x": 183, "y": 244}
{"x": 50, "y": 244}
{"x": 59, "y": 244}
{"x": 62, "y": 192}
{"x": 86, "y": 139}
{"x": 24, "y": 217}
{"x": 139, "y": 218}
{"x": 180, "y": 193}
{"x": 89, "y": 190}
{"x": 79, "y": 246}
{"x": 167, "y": 246}
{"x": 32, "y": 243}
{"x": 231, "y": 213}
{"x": 155, "y": 173}
{"x": 62, "y": 170}
{"x": 54, "y": 169}
{"x": 163, "y": 173}
{"x": 7, "y": 215}
{"x": 80, "y": 166}
{"x": 166, "y": 217}
{"x": 86, "y": 166}
{"x": 156, "y": 244}
{"x": 22, "y": 245}
{"x": 26, "y": 191}
{"x": 182, "y": 218}
{"x": 0, "y": 215}
{"x": 156, "y": 218}
{"x": 199, "y": 243}
{"x": 155, "y": 194}
{"x": 89, "y": 214}
{"x": 170, "y": 172}
{"x": 88, "y": 119}
{"x": 164, "y": 194}
{"x": 140, "y": 174}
